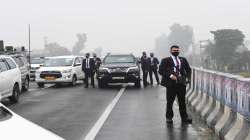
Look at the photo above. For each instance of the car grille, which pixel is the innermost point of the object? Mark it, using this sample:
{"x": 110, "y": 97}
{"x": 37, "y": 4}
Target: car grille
{"x": 118, "y": 70}
{"x": 56, "y": 74}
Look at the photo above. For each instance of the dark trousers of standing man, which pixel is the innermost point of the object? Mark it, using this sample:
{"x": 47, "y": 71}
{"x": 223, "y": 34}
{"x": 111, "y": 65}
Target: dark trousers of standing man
{"x": 178, "y": 90}
{"x": 151, "y": 71}
{"x": 89, "y": 74}
{"x": 145, "y": 77}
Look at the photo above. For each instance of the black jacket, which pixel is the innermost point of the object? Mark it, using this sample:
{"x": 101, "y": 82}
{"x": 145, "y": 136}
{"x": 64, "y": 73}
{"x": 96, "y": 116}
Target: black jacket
{"x": 166, "y": 68}
{"x": 98, "y": 62}
{"x": 145, "y": 64}
{"x": 91, "y": 64}
{"x": 155, "y": 62}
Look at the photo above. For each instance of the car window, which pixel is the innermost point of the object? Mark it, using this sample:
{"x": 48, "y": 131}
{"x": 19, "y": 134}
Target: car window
{"x": 37, "y": 61}
{"x": 11, "y": 64}
{"x": 19, "y": 62}
{"x": 77, "y": 61}
{"x": 119, "y": 59}
{"x": 58, "y": 62}
{"x": 3, "y": 66}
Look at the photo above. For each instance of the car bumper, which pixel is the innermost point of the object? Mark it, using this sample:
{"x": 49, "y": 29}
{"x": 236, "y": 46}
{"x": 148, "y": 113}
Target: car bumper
{"x": 119, "y": 78}
{"x": 66, "y": 78}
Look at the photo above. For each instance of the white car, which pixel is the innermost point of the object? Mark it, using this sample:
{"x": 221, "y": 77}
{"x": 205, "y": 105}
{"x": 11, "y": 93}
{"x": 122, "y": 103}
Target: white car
{"x": 35, "y": 64}
{"x": 10, "y": 79}
{"x": 60, "y": 69}
{"x": 14, "y": 127}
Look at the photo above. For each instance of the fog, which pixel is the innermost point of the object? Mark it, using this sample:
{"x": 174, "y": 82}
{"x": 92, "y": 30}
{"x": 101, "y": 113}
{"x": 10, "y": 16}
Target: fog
{"x": 116, "y": 25}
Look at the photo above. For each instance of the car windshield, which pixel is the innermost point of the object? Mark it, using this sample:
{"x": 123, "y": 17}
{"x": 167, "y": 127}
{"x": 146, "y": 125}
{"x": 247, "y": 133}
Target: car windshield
{"x": 119, "y": 59}
{"x": 37, "y": 61}
{"x": 58, "y": 62}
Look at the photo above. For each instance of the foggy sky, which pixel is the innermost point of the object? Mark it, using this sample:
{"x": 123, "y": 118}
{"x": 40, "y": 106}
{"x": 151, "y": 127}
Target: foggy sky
{"x": 116, "y": 25}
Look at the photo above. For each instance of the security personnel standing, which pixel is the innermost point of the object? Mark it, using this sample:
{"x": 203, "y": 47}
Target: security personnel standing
{"x": 175, "y": 72}
{"x": 153, "y": 68}
{"x": 145, "y": 64}
{"x": 88, "y": 67}
{"x": 98, "y": 62}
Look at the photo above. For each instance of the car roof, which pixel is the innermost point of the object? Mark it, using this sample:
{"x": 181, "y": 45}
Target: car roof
{"x": 66, "y": 56}
{"x": 5, "y": 56}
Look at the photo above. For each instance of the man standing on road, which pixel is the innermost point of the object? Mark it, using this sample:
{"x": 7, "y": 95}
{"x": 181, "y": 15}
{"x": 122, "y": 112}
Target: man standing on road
{"x": 98, "y": 62}
{"x": 145, "y": 68}
{"x": 175, "y": 71}
{"x": 153, "y": 68}
{"x": 88, "y": 66}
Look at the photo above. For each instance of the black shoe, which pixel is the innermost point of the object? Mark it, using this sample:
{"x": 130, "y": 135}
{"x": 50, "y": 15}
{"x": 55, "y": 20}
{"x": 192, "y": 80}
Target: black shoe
{"x": 169, "y": 121}
{"x": 187, "y": 121}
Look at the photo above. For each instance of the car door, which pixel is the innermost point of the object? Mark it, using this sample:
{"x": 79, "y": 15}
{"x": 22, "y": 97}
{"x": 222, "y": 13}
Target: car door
{"x": 78, "y": 68}
{"x": 4, "y": 81}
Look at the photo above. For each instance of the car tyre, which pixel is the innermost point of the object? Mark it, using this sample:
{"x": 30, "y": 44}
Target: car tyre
{"x": 101, "y": 84}
{"x": 15, "y": 94}
{"x": 40, "y": 85}
{"x": 74, "y": 80}
{"x": 25, "y": 87}
{"x": 138, "y": 83}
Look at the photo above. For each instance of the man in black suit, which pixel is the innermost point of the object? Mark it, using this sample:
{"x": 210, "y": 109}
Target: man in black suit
{"x": 145, "y": 64}
{"x": 153, "y": 68}
{"x": 175, "y": 72}
{"x": 88, "y": 66}
{"x": 98, "y": 63}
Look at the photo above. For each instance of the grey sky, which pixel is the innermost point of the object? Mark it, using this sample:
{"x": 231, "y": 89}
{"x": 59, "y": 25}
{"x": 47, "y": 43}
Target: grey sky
{"x": 116, "y": 25}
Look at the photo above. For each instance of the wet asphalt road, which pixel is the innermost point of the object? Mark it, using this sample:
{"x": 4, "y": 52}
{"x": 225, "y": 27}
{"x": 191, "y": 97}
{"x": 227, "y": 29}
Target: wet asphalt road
{"x": 71, "y": 112}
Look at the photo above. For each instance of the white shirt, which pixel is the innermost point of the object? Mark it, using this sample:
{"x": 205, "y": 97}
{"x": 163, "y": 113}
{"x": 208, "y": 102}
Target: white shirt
{"x": 175, "y": 63}
{"x": 151, "y": 59}
{"x": 87, "y": 62}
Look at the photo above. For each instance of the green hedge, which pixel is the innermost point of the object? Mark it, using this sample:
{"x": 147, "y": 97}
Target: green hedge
{"x": 245, "y": 74}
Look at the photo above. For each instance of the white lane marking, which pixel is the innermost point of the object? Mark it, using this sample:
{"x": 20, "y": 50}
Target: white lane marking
{"x": 98, "y": 125}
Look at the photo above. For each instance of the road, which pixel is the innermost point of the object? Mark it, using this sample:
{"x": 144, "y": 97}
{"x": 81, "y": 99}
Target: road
{"x": 73, "y": 112}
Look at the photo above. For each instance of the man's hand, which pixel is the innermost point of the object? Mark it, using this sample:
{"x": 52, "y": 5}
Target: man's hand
{"x": 173, "y": 77}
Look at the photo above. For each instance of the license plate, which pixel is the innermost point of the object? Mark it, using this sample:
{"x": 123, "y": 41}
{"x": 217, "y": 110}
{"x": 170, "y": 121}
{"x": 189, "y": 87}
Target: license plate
{"x": 117, "y": 78}
{"x": 50, "y": 78}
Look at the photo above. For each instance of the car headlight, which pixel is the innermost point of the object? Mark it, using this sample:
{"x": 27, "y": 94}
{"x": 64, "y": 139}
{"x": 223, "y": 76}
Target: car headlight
{"x": 103, "y": 70}
{"x": 133, "y": 69}
{"x": 67, "y": 71}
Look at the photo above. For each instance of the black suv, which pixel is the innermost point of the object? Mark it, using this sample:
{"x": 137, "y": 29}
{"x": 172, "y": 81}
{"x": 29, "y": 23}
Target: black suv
{"x": 119, "y": 69}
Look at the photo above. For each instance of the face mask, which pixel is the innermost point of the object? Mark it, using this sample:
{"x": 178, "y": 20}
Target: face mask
{"x": 175, "y": 53}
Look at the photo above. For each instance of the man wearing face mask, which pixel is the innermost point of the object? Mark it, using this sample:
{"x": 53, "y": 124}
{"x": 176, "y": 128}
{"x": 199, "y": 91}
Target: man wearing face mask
{"x": 145, "y": 64}
{"x": 153, "y": 68}
{"x": 98, "y": 62}
{"x": 88, "y": 66}
{"x": 176, "y": 73}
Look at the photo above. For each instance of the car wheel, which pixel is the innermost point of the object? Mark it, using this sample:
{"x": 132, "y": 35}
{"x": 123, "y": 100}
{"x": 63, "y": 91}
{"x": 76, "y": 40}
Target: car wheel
{"x": 138, "y": 84}
{"x": 74, "y": 79}
{"x": 40, "y": 85}
{"x": 101, "y": 84}
{"x": 15, "y": 94}
{"x": 25, "y": 87}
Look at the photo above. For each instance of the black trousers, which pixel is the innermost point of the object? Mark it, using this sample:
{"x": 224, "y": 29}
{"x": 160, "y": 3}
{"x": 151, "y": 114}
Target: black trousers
{"x": 151, "y": 71}
{"x": 178, "y": 90}
{"x": 89, "y": 74}
{"x": 145, "y": 77}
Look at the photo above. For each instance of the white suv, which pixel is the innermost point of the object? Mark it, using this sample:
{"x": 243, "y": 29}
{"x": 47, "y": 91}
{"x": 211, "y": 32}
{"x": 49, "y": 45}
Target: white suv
{"x": 10, "y": 79}
{"x": 60, "y": 69}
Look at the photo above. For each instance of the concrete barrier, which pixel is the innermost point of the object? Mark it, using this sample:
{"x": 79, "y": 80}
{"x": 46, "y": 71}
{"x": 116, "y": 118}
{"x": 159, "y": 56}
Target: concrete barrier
{"x": 223, "y": 101}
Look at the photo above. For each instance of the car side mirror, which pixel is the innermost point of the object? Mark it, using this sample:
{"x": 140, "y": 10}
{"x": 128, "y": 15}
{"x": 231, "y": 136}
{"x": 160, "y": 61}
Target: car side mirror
{"x": 77, "y": 64}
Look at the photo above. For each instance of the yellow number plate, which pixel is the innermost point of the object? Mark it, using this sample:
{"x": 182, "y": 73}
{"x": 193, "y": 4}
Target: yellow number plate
{"x": 50, "y": 78}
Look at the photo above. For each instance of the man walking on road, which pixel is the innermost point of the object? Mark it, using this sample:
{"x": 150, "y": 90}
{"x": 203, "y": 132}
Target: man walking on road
{"x": 175, "y": 71}
{"x": 153, "y": 68}
{"x": 145, "y": 68}
{"x": 88, "y": 66}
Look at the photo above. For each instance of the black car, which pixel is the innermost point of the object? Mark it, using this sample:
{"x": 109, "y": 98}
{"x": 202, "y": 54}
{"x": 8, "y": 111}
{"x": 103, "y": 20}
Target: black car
{"x": 119, "y": 69}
